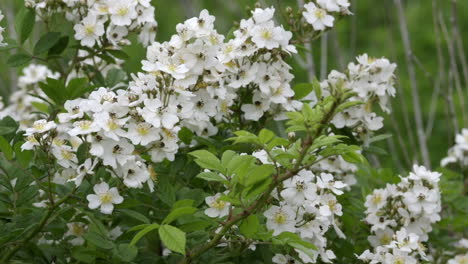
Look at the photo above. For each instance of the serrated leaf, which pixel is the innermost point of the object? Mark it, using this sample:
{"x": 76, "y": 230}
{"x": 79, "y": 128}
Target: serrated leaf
{"x": 125, "y": 252}
{"x": 98, "y": 240}
{"x": 46, "y": 42}
{"x": 115, "y": 76}
{"x": 5, "y": 148}
{"x": 143, "y": 232}
{"x": 301, "y": 90}
{"x": 19, "y": 59}
{"x": 210, "y": 176}
{"x": 249, "y": 226}
{"x": 8, "y": 125}
{"x": 24, "y": 23}
{"x": 207, "y": 160}
{"x": 178, "y": 212}
{"x": 173, "y": 238}
{"x": 59, "y": 46}
{"x": 135, "y": 215}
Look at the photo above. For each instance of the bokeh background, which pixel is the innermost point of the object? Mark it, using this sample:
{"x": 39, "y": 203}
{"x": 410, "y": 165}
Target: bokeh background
{"x": 428, "y": 39}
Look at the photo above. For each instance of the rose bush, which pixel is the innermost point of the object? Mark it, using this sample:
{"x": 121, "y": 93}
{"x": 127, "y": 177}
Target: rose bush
{"x": 211, "y": 152}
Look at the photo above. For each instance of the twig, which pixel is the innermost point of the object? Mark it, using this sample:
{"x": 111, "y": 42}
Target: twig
{"x": 413, "y": 84}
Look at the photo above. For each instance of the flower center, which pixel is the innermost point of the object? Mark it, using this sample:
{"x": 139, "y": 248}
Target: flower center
{"x": 89, "y": 30}
{"x": 320, "y": 13}
{"x": 84, "y": 125}
{"x": 123, "y": 11}
{"x": 266, "y": 34}
{"x": 280, "y": 218}
{"x": 39, "y": 125}
{"x": 143, "y": 129}
{"x": 105, "y": 198}
{"x": 218, "y": 204}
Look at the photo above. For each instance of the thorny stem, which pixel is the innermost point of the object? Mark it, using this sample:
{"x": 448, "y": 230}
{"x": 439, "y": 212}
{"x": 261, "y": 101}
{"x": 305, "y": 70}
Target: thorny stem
{"x": 263, "y": 200}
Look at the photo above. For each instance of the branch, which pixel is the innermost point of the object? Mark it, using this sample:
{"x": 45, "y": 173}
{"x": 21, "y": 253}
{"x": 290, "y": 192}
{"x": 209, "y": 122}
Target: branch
{"x": 413, "y": 84}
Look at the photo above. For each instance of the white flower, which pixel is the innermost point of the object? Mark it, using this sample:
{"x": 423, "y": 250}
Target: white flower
{"x": 76, "y": 230}
{"x": 159, "y": 116}
{"x": 104, "y": 198}
{"x": 299, "y": 188}
{"x": 217, "y": 207}
{"x": 317, "y": 17}
{"x": 334, "y": 5}
{"x": 142, "y": 133}
{"x": 122, "y": 12}
{"x": 283, "y": 259}
{"x": 420, "y": 199}
{"x": 267, "y": 35}
{"x": 327, "y": 181}
{"x": 84, "y": 127}
{"x": 134, "y": 174}
{"x": 84, "y": 169}
{"x": 280, "y": 219}
{"x": 113, "y": 152}
{"x": 40, "y": 126}
{"x": 89, "y": 30}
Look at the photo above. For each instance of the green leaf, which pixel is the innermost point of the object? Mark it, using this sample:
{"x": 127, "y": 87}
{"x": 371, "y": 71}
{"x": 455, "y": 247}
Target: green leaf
{"x": 135, "y": 215}
{"x": 8, "y": 126}
{"x": 98, "y": 240}
{"x": 178, "y": 212}
{"x": 143, "y": 232}
{"x": 23, "y": 157}
{"x": 347, "y": 105}
{"x": 82, "y": 152}
{"x": 55, "y": 90}
{"x": 115, "y": 76}
{"x": 24, "y": 23}
{"x": 6, "y": 149}
{"x": 250, "y": 226}
{"x": 380, "y": 138}
{"x": 207, "y": 160}
{"x": 183, "y": 203}
{"x": 18, "y": 60}
{"x": 211, "y": 176}
{"x": 84, "y": 254}
{"x": 173, "y": 238}
{"x": 126, "y": 252}
{"x": 266, "y": 136}
{"x": 119, "y": 54}
{"x": 301, "y": 90}
{"x": 185, "y": 135}
{"x": 227, "y": 156}
{"x": 40, "y": 106}
{"x": 46, "y": 42}
{"x": 59, "y": 47}
{"x": 259, "y": 173}
{"x": 78, "y": 87}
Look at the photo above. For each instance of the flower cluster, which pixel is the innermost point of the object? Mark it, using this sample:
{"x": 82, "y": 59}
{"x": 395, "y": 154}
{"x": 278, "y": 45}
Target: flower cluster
{"x": 24, "y": 101}
{"x": 307, "y": 205}
{"x": 104, "y": 22}
{"x": 320, "y": 14}
{"x": 401, "y": 215}
{"x": 209, "y": 78}
{"x": 373, "y": 82}
{"x": 1, "y": 31}
{"x": 191, "y": 81}
{"x": 459, "y": 152}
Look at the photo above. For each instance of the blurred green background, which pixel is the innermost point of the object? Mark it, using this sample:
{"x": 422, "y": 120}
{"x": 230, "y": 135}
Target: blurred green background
{"x": 438, "y": 32}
